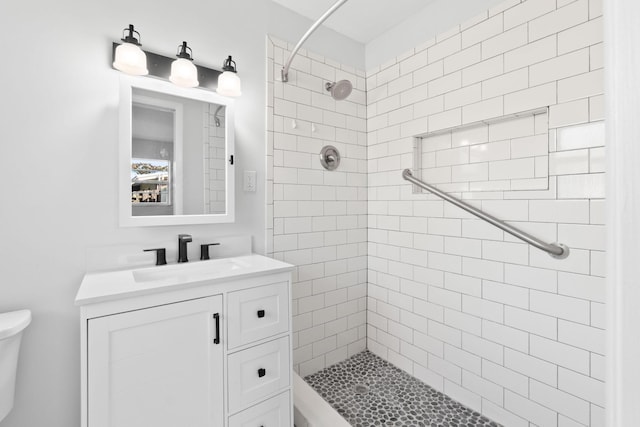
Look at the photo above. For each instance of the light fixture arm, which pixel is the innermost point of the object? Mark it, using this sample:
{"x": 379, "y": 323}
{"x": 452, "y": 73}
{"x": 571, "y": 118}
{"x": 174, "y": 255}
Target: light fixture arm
{"x": 182, "y": 52}
{"x": 285, "y": 70}
{"x": 129, "y": 38}
{"x": 229, "y": 65}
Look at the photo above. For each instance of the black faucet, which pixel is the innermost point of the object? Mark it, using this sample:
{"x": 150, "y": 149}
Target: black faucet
{"x": 183, "y": 239}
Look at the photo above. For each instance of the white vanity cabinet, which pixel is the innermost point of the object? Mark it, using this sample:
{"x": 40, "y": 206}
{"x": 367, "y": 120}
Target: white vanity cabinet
{"x": 202, "y": 350}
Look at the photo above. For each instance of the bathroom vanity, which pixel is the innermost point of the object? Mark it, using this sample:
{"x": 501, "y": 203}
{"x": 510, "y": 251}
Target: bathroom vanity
{"x": 200, "y": 344}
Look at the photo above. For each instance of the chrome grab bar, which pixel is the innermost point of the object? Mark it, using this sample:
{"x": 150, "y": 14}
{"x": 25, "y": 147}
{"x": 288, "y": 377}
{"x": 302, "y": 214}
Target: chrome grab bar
{"x": 556, "y": 250}
{"x": 284, "y": 73}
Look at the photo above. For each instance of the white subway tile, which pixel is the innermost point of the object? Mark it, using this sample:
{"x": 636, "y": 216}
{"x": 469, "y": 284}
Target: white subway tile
{"x": 464, "y": 247}
{"x": 516, "y": 253}
{"x": 482, "y": 387}
{"x": 582, "y": 236}
{"x": 502, "y": 416}
{"x": 506, "y": 336}
{"x": 598, "y": 367}
{"x": 428, "y": 73}
{"x": 445, "y": 120}
{"x": 560, "y": 401}
{"x": 483, "y": 70}
{"x": 500, "y": 150}
{"x": 582, "y": 286}
{"x": 560, "y": 67}
{"x": 507, "y": 378}
{"x": 569, "y": 113}
{"x": 463, "y": 322}
{"x": 529, "y": 99}
{"x": 531, "y": 53}
{"x": 505, "y": 294}
{"x": 526, "y": 11}
{"x": 530, "y": 146}
{"x": 482, "y": 31}
{"x": 560, "y": 354}
{"x": 413, "y": 62}
{"x": 565, "y": 17}
{"x": 505, "y": 41}
{"x": 529, "y": 321}
{"x": 482, "y": 308}
{"x": 582, "y": 336}
{"x": 584, "y": 186}
{"x": 569, "y": 162}
{"x": 463, "y": 97}
{"x": 488, "y": 109}
{"x": 444, "y": 48}
{"x": 560, "y": 306}
{"x": 483, "y": 348}
{"x": 446, "y": 369}
{"x": 445, "y": 333}
{"x": 581, "y": 136}
{"x": 565, "y": 211}
{"x": 531, "y": 367}
{"x": 538, "y": 414}
{"x": 512, "y": 169}
{"x": 462, "y": 59}
{"x": 582, "y": 386}
{"x": 470, "y": 172}
{"x": 506, "y": 83}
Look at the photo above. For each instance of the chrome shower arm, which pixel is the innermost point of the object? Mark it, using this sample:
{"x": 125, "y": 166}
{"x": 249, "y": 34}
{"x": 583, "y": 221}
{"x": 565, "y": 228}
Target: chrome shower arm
{"x": 285, "y": 70}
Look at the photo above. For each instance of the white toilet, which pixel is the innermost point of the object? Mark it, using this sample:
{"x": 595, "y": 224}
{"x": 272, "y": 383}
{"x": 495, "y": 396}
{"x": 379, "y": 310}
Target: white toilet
{"x": 11, "y": 326}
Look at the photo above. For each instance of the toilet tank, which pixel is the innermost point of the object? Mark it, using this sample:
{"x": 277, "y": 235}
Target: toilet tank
{"x": 11, "y": 326}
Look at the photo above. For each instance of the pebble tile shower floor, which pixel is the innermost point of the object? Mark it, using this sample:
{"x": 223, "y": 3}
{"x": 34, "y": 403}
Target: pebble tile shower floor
{"x": 391, "y": 397}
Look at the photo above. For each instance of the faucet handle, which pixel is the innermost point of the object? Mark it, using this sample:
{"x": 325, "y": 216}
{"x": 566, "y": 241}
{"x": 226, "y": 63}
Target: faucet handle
{"x": 204, "y": 250}
{"x": 161, "y": 255}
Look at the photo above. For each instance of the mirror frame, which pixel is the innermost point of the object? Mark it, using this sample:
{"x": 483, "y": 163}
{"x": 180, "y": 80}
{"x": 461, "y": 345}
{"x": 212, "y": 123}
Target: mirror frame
{"x": 127, "y": 85}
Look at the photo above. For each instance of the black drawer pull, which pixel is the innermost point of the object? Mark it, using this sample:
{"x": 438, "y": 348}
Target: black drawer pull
{"x": 216, "y": 317}
{"x": 262, "y": 372}
{"x": 261, "y": 313}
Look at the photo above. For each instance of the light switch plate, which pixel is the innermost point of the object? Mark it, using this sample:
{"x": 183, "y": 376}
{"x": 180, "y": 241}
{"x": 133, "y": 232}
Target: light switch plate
{"x": 250, "y": 178}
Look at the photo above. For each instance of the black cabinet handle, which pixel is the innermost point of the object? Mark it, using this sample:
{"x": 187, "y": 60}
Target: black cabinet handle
{"x": 262, "y": 372}
{"x": 216, "y": 317}
{"x": 204, "y": 250}
{"x": 161, "y": 255}
{"x": 260, "y": 314}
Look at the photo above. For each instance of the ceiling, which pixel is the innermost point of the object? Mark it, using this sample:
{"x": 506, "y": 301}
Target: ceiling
{"x": 360, "y": 20}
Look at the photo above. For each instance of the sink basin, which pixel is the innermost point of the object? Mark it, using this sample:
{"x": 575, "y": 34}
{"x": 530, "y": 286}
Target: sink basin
{"x": 189, "y": 272}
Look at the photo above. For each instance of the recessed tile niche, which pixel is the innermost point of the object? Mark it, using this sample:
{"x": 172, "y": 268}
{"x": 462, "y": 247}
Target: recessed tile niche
{"x": 503, "y": 154}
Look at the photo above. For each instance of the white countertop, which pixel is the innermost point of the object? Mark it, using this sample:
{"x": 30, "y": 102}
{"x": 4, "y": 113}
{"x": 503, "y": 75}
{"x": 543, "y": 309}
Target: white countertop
{"x": 113, "y": 285}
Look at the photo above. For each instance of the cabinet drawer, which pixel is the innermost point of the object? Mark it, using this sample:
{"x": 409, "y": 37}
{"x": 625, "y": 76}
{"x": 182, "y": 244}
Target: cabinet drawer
{"x": 275, "y": 412}
{"x": 257, "y": 372}
{"x": 257, "y": 313}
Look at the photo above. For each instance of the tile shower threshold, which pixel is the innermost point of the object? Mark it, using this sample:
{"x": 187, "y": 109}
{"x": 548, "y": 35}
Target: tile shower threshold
{"x": 368, "y": 391}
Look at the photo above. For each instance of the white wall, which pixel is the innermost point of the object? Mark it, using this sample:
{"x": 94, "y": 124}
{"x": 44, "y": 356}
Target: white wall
{"x": 496, "y": 324}
{"x": 58, "y": 124}
{"x": 623, "y": 107}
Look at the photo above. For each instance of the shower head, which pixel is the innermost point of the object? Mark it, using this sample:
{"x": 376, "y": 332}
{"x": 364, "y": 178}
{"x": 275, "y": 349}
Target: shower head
{"x": 339, "y": 90}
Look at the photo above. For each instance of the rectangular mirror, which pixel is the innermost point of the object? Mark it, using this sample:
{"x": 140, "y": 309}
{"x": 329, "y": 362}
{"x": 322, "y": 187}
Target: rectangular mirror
{"x": 176, "y": 154}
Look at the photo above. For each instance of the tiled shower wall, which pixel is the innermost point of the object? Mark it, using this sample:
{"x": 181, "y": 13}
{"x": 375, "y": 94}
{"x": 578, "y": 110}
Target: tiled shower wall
{"x": 494, "y": 323}
{"x": 317, "y": 219}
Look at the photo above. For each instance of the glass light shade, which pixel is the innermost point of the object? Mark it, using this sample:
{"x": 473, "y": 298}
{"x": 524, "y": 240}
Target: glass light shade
{"x": 229, "y": 84}
{"x": 130, "y": 59}
{"x": 184, "y": 73}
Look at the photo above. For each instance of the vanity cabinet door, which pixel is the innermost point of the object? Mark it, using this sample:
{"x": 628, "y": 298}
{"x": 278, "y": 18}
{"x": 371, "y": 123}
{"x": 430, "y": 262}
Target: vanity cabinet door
{"x": 160, "y": 367}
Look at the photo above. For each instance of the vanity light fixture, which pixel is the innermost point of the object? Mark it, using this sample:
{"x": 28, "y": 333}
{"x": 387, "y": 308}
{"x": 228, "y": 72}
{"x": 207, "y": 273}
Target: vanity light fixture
{"x": 228, "y": 81}
{"x": 183, "y": 72}
{"x": 129, "y": 58}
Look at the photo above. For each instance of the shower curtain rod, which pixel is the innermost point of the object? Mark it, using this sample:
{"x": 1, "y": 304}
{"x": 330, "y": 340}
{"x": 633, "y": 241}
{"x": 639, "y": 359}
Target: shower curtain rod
{"x": 556, "y": 250}
{"x": 285, "y": 70}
